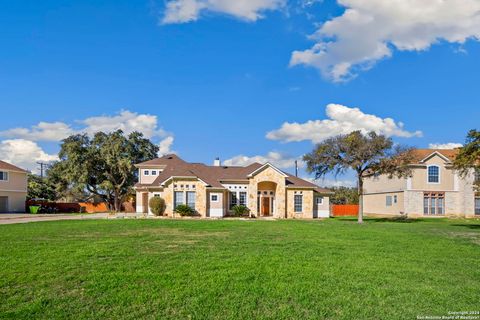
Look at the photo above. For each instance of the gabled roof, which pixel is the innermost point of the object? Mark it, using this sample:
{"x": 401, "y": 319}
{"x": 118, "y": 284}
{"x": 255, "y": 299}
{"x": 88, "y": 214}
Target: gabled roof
{"x": 422, "y": 155}
{"x": 10, "y": 167}
{"x": 266, "y": 165}
{"x": 214, "y": 176}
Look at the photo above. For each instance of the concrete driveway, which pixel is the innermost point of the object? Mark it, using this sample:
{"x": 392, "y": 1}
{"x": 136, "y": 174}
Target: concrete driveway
{"x": 11, "y": 218}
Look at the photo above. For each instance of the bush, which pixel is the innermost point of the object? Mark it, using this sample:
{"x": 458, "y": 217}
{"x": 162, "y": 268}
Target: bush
{"x": 240, "y": 211}
{"x": 184, "y": 210}
{"x": 157, "y": 206}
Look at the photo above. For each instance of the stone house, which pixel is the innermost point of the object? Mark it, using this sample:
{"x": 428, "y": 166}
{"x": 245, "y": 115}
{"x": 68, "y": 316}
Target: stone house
{"x": 435, "y": 189}
{"x": 212, "y": 191}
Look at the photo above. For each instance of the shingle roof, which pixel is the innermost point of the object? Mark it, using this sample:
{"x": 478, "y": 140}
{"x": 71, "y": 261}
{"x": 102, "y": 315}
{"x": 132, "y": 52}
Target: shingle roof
{"x": 212, "y": 175}
{"x": 7, "y": 166}
{"x": 421, "y": 154}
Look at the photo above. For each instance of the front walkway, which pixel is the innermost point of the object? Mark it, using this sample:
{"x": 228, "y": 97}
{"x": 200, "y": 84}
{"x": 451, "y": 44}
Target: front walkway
{"x": 11, "y": 218}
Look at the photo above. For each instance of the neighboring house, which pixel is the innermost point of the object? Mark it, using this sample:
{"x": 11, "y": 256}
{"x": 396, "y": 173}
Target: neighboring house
{"x": 434, "y": 189}
{"x": 213, "y": 190}
{"x": 13, "y": 188}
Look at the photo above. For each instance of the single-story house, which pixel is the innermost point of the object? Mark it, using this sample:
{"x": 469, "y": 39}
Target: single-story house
{"x": 212, "y": 191}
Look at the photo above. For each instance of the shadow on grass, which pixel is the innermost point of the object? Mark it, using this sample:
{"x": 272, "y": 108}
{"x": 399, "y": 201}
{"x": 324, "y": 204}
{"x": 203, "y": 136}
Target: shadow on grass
{"x": 466, "y": 225}
{"x": 392, "y": 219}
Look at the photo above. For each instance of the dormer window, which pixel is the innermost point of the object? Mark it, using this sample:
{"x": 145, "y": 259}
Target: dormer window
{"x": 154, "y": 172}
{"x": 433, "y": 174}
{"x": 146, "y": 173}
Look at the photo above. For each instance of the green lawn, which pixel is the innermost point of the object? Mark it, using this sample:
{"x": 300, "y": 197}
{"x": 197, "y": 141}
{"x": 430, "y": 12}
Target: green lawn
{"x": 333, "y": 269}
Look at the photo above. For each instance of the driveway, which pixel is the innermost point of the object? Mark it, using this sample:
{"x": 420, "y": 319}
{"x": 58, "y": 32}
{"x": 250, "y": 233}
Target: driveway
{"x": 11, "y": 218}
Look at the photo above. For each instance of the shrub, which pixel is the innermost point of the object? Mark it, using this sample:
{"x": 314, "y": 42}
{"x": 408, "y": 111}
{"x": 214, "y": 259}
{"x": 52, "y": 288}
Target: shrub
{"x": 184, "y": 210}
{"x": 157, "y": 206}
{"x": 239, "y": 211}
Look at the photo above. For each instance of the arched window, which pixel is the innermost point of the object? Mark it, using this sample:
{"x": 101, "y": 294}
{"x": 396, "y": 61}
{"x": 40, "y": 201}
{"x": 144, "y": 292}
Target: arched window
{"x": 433, "y": 174}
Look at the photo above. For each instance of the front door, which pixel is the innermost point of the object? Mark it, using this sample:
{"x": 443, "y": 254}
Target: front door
{"x": 3, "y": 204}
{"x": 265, "y": 206}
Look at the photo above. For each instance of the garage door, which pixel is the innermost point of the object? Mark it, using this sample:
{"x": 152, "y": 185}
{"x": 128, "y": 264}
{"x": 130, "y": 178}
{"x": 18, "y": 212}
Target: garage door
{"x": 3, "y": 204}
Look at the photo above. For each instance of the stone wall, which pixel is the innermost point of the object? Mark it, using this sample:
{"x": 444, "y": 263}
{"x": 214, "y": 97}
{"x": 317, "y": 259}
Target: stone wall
{"x": 308, "y": 204}
{"x": 268, "y": 175}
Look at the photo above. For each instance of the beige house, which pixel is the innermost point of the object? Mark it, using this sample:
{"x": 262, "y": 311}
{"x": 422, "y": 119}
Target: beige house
{"x": 434, "y": 189}
{"x": 13, "y": 188}
{"x": 214, "y": 190}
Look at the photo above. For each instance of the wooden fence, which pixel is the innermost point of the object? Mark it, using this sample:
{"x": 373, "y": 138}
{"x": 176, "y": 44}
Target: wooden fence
{"x": 345, "y": 210}
{"x": 75, "y": 207}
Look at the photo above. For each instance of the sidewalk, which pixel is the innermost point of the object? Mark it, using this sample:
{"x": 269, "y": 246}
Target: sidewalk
{"x": 11, "y": 218}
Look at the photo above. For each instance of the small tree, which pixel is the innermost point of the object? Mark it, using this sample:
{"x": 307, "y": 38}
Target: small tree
{"x": 468, "y": 158}
{"x": 40, "y": 188}
{"x": 368, "y": 155}
{"x": 157, "y": 206}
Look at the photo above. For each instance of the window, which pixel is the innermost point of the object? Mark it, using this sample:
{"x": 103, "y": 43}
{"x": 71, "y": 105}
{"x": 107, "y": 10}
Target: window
{"x": 154, "y": 172}
{"x": 433, "y": 174}
{"x": 214, "y": 198}
{"x": 243, "y": 198}
{"x": 146, "y": 172}
{"x": 477, "y": 176}
{"x": 477, "y": 206}
{"x": 389, "y": 201}
{"x": 3, "y": 176}
{"x": 395, "y": 199}
{"x": 178, "y": 198}
{"x": 233, "y": 199}
{"x": 191, "y": 199}
{"x": 298, "y": 203}
{"x": 434, "y": 203}
{"x": 319, "y": 201}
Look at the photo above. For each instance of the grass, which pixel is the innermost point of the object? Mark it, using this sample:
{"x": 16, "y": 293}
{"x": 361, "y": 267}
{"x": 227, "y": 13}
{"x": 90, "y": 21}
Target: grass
{"x": 168, "y": 269}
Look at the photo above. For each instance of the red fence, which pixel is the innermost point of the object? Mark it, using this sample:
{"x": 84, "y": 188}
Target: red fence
{"x": 75, "y": 207}
{"x": 345, "y": 210}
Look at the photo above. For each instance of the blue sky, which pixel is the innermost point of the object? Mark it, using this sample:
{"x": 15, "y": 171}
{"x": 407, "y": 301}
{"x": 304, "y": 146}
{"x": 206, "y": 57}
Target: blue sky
{"x": 215, "y": 79}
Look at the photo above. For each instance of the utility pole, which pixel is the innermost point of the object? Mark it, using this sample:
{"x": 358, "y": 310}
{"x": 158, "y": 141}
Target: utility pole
{"x": 296, "y": 168}
{"x": 42, "y": 166}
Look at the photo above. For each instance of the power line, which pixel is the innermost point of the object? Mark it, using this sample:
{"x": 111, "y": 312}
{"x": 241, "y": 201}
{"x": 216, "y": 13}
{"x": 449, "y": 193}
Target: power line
{"x": 42, "y": 166}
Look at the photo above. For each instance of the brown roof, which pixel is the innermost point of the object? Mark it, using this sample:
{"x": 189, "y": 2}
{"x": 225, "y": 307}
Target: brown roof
{"x": 7, "y": 166}
{"x": 212, "y": 175}
{"x": 421, "y": 154}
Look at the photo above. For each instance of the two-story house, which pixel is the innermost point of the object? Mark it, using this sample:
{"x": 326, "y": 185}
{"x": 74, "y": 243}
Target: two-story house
{"x": 212, "y": 191}
{"x": 434, "y": 189}
{"x": 13, "y": 188}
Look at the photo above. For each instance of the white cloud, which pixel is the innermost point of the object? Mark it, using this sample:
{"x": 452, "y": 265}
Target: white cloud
{"x": 127, "y": 121}
{"x": 278, "y": 159}
{"x": 24, "y": 154}
{"x": 182, "y": 11}
{"x": 450, "y": 145}
{"x": 342, "y": 120}
{"x": 56, "y": 131}
{"x": 329, "y": 183}
{"x": 166, "y": 146}
{"x": 370, "y": 30}
{"x": 43, "y": 131}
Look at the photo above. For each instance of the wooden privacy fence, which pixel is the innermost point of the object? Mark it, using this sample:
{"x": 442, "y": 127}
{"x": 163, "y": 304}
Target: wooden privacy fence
{"x": 76, "y": 207}
{"x": 344, "y": 210}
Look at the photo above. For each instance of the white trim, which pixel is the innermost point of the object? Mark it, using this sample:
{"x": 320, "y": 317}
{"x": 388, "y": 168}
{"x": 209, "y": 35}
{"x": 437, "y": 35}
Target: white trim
{"x": 4, "y": 190}
{"x": 438, "y": 154}
{"x": 439, "y": 174}
{"x": 182, "y": 177}
{"x": 268, "y": 164}
{"x": 409, "y": 183}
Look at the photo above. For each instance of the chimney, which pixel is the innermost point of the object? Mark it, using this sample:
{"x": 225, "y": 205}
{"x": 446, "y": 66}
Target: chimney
{"x": 217, "y": 162}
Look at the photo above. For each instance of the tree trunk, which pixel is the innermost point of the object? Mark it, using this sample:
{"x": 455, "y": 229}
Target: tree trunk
{"x": 117, "y": 202}
{"x": 360, "y": 199}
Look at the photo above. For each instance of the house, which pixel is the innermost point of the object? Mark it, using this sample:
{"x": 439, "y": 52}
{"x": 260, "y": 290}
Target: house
{"x": 13, "y": 188}
{"x": 434, "y": 189}
{"x": 214, "y": 190}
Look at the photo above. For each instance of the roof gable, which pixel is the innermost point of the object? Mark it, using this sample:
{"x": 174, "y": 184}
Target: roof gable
{"x": 10, "y": 167}
{"x": 265, "y": 166}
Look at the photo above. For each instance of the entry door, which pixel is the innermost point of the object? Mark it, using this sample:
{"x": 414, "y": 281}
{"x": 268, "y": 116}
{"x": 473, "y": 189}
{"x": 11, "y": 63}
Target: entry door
{"x": 3, "y": 204}
{"x": 265, "y": 206}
